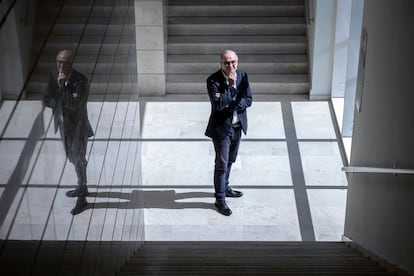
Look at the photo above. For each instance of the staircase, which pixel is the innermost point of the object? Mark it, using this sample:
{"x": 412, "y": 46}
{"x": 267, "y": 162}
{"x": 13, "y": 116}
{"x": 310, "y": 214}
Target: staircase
{"x": 102, "y": 34}
{"x": 268, "y": 35}
{"x": 249, "y": 258}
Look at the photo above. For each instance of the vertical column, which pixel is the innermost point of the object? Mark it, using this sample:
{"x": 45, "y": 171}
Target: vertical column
{"x": 352, "y": 67}
{"x": 15, "y": 50}
{"x": 149, "y": 27}
{"x": 323, "y": 49}
{"x": 343, "y": 17}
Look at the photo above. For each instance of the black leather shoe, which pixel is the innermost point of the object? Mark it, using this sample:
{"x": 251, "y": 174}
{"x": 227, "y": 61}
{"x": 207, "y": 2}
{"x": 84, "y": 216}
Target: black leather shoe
{"x": 223, "y": 208}
{"x": 233, "y": 193}
{"x": 83, "y": 191}
{"x": 81, "y": 205}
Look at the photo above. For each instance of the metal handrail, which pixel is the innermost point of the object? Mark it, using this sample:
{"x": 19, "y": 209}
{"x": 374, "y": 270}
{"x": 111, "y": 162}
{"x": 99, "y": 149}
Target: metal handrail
{"x": 356, "y": 169}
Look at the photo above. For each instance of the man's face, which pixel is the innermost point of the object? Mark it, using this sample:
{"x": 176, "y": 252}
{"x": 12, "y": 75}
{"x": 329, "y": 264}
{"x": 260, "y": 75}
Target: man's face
{"x": 229, "y": 63}
{"x": 64, "y": 62}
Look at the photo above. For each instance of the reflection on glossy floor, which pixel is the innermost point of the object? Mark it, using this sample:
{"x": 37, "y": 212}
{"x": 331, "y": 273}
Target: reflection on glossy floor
{"x": 35, "y": 176}
{"x": 289, "y": 168}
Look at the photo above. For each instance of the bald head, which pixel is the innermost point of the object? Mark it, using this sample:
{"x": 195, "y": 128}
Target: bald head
{"x": 64, "y": 60}
{"x": 229, "y": 61}
{"x": 227, "y": 52}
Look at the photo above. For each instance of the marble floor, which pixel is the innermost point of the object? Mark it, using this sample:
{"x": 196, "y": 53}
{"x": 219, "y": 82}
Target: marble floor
{"x": 150, "y": 174}
{"x": 289, "y": 168}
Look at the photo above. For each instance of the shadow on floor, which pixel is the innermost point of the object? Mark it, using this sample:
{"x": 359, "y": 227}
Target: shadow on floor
{"x": 165, "y": 199}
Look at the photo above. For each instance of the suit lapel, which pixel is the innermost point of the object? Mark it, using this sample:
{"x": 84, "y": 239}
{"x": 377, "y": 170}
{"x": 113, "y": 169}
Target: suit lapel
{"x": 239, "y": 78}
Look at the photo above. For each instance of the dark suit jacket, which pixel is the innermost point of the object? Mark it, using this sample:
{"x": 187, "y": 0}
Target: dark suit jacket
{"x": 69, "y": 104}
{"x": 231, "y": 99}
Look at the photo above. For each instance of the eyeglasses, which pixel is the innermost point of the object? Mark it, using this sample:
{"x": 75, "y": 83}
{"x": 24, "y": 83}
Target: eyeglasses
{"x": 227, "y": 63}
{"x": 62, "y": 62}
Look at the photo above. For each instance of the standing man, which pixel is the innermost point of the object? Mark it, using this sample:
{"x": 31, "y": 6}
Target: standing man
{"x": 67, "y": 94}
{"x": 230, "y": 95}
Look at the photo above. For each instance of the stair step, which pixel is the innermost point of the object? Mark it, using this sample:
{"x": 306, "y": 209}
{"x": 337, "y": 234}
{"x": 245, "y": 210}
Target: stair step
{"x": 236, "y": 10}
{"x": 261, "y": 32}
{"x": 253, "y": 68}
{"x": 235, "y": 25}
{"x": 254, "y": 264}
{"x": 92, "y": 48}
{"x": 244, "y": 39}
{"x": 248, "y": 272}
{"x": 242, "y": 49}
{"x": 97, "y": 11}
{"x": 235, "y": 2}
{"x": 46, "y": 59}
{"x": 249, "y": 258}
{"x": 236, "y": 29}
{"x": 242, "y": 20}
{"x": 90, "y": 29}
{"x": 82, "y": 20}
{"x": 243, "y": 58}
{"x": 105, "y": 44}
{"x": 91, "y": 39}
{"x": 106, "y": 69}
{"x": 258, "y": 78}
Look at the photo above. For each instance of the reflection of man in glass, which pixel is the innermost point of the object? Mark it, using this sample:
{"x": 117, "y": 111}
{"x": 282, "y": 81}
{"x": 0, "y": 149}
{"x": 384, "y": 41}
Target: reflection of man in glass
{"x": 67, "y": 94}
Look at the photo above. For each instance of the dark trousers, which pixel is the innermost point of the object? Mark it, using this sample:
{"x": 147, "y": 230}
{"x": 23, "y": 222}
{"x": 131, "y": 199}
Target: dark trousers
{"x": 226, "y": 153}
{"x": 75, "y": 144}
